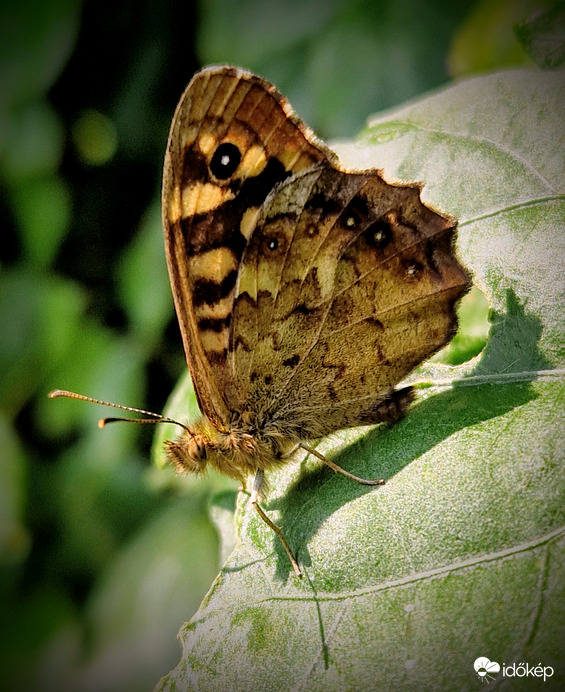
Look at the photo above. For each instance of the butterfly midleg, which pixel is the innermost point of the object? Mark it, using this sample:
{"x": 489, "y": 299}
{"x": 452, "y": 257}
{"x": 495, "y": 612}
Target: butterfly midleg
{"x": 389, "y": 408}
{"x": 257, "y": 483}
{"x": 334, "y": 467}
{"x": 290, "y": 453}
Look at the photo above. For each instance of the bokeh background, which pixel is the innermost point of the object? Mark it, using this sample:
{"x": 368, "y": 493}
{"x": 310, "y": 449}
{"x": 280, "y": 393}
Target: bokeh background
{"x": 103, "y": 555}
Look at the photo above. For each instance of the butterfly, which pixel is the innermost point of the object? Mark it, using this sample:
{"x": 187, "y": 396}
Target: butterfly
{"x": 304, "y": 291}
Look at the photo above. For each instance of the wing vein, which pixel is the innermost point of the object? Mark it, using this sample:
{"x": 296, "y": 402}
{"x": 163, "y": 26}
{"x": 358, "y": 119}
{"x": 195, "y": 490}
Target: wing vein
{"x": 289, "y": 248}
{"x": 316, "y": 341}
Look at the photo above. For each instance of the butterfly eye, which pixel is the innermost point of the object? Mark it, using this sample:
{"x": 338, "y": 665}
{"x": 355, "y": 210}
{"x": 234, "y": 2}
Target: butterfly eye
{"x": 225, "y": 161}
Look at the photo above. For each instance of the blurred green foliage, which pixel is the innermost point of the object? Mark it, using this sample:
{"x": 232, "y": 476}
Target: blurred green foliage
{"x": 102, "y": 556}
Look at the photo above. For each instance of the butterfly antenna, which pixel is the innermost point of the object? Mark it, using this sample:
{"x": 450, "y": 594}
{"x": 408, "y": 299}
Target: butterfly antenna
{"x": 154, "y": 417}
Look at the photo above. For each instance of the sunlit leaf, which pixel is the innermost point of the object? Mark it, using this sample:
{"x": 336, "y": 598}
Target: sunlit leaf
{"x": 543, "y": 36}
{"x": 460, "y": 554}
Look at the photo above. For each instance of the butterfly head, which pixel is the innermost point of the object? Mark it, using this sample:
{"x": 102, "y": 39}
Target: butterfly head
{"x": 188, "y": 453}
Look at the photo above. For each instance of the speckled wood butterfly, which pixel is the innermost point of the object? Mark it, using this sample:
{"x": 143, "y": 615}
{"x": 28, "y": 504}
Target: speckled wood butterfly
{"x": 304, "y": 291}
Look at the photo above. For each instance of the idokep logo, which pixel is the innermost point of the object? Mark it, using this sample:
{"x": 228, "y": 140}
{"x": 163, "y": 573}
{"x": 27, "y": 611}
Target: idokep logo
{"x": 487, "y": 670}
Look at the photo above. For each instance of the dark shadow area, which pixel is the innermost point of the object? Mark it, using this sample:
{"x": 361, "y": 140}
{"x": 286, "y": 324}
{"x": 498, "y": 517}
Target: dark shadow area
{"x": 512, "y": 347}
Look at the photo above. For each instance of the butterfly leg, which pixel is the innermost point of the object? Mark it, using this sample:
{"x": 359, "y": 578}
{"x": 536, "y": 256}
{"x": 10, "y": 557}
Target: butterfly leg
{"x": 387, "y": 409}
{"x": 287, "y": 455}
{"x": 338, "y": 469}
{"x": 257, "y": 484}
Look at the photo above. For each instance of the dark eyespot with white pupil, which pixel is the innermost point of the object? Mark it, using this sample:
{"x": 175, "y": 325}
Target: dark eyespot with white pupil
{"x": 225, "y": 161}
{"x": 273, "y": 244}
{"x": 414, "y": 268}
{"x": 351, "y": 220}
{"x": 355, "y": 214}
{"x": 379, "y": 234}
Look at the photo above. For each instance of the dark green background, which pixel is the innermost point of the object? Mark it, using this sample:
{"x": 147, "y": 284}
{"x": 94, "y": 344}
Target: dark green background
{"x": 102, "y": 556}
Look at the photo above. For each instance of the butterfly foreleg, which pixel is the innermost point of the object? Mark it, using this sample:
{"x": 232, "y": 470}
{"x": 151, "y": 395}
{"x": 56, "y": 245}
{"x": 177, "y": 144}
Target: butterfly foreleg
{"x": 258, "y": 485}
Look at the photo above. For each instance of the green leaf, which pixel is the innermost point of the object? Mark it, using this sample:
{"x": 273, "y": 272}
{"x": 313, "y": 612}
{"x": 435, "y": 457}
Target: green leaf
{"x": 148, "y": 303}
{"x": 37, "y": 39}
{"x": 543, "y": 36}
{"x": 42, "y": 206}
{"x": 473, "y": 330}
{"x": 461, "y": 553}
{"x": 44, "y": 316}
{"x": 135, "y": 610}
{"x": 14, "y": 536}
{"x": 486, "y": 41}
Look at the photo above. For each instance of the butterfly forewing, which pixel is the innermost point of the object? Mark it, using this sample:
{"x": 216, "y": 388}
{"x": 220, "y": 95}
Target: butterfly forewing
{"x": 232, "y": 140}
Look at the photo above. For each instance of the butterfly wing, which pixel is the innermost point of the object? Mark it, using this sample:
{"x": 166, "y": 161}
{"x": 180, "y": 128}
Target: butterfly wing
{"x": 232, "y": 140}
{"x": 347, "y": 283}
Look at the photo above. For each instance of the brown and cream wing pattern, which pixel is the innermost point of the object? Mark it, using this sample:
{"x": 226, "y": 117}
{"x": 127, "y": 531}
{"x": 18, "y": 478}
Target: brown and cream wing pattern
{"x": 233, "y": 139}
{"x": 346, "y": 284}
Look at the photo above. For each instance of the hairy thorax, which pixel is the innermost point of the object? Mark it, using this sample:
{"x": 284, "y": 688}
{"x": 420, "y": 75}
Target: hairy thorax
{"x": 239, "y": 452}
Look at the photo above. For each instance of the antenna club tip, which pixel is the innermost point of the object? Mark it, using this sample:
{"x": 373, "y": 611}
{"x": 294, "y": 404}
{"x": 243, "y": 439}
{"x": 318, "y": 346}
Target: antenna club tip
{"x": 53, "y": 394}
{"x": 102, "y": 423}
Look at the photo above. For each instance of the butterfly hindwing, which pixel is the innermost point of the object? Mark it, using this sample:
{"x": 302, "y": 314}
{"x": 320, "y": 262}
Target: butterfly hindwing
{"x": 339, "y": 298}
